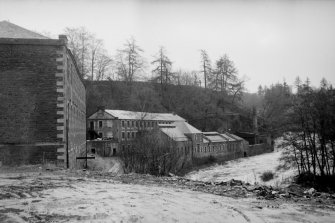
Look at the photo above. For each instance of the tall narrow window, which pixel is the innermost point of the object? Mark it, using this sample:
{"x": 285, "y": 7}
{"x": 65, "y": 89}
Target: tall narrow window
{"x": 100, "y": 124}
{"x": 122, "y": 123}
{"x": 128, "y": 124}
{"x": 122, "y": 135}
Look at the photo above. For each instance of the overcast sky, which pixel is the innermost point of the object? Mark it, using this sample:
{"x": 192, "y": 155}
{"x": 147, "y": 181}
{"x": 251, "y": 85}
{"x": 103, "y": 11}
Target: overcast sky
{"x": 269, "y": 41}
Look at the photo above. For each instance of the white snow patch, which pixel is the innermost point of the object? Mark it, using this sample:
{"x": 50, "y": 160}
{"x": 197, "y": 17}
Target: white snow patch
{"x": 246, "y": 169}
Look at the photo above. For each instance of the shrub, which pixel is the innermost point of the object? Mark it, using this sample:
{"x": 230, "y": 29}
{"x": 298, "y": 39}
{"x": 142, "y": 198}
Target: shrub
{"x": 267, "y": 175}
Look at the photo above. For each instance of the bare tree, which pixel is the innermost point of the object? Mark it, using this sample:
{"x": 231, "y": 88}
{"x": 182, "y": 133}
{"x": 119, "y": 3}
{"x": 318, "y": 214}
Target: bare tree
{"x": 103, "y": 68}
{"x": 78, "y": 43}
{"x": 89, "y": 52}
{"x": 162, "y": 71}
{"x": 206, "y": 66}
{"x": 129, "y": 62}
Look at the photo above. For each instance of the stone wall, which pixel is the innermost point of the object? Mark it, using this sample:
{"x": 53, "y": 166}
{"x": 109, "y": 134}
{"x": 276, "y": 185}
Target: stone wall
{"x": 42, "y": 103}
{"x": 71, "y": 108}
{"x": 257, "y": 149}
{"x": 28, "y": 93}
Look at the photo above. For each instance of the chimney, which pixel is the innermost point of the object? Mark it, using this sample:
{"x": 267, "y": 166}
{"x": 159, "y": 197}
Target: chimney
{"x": 101, "y": 107}
{"x": 63, "y": 39}
{"x": 254, "y": 120}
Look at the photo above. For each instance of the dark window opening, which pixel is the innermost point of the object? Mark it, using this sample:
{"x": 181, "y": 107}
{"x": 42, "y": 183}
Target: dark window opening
{"x": 100, "y": 124}
{"x": 93, "y": 150}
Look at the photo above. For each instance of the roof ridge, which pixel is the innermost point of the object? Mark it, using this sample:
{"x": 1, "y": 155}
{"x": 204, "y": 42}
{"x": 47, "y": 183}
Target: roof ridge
{"x": 11, "y": 30}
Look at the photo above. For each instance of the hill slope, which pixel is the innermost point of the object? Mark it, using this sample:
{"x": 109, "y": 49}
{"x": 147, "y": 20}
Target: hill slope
{"x": 205, "y": 109}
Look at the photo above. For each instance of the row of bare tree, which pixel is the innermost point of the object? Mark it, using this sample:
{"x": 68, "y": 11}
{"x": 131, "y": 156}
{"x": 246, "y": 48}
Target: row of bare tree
{"x": 95, "y": 63}
{"x": 311, "y": 129}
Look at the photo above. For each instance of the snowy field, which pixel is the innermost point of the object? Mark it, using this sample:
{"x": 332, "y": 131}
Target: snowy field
{"x": 246, "y": 169}
{"x": 69, "y": 199}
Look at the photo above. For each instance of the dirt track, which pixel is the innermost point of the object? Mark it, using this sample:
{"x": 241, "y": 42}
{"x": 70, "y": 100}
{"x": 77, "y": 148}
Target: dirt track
{"x": 61, "y": 197}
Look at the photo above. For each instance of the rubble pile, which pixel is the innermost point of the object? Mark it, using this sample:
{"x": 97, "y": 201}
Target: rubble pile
{"x": 232, "y": 188}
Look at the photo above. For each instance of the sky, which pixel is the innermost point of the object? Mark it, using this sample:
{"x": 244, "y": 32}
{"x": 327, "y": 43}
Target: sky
{"x": 269, "y": 41}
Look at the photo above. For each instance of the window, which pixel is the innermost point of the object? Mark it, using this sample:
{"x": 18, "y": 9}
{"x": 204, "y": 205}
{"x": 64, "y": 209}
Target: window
{"x": 109, "y": 123}
{"x": 114, "y": 151}
{"x": 128, "y": 135}
{"x": 91, "y": 125}
{"x": 133, "y": 135}
{"x": 100, "y": 124}
{"x": 93, "y": 150}
{"x": 100, "y": 134}
{"x": 122, "y": 123}
{"x": 122, "y": 135}
{"x": 136, "y": 123}
{"x": 132, "y": 123}
{"x": 128, "y": 124}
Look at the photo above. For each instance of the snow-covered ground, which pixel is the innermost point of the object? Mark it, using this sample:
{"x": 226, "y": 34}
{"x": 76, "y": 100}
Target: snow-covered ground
{"x": 246, "y": 169}
{"x": 70, "y": 199}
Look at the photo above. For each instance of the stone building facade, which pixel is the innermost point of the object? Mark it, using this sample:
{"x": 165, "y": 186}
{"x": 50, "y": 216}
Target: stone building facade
{"x": 121, "y": 127}
{"x": 42, "y": 100}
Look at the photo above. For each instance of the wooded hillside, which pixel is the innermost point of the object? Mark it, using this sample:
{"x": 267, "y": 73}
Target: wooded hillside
{"x": 203, "y": 108}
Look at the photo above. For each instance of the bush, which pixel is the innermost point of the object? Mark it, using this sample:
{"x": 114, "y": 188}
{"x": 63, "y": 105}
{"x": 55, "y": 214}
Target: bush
{"x": 320, "y": 183}
{"x": 266, "y": 176}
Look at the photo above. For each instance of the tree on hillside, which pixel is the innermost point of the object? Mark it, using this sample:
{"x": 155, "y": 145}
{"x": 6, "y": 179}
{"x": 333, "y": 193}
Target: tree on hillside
{"x": 237, "y": 90}
{"x": 225, "y": 75}
{"x": 311, "y": 131}
{"x": 129, "y": 62}
{"x": 190, "y": 78}
{"x": 206, "y": 67}
{"x": 162, "y": 67}
{"x": 277, "y": 101}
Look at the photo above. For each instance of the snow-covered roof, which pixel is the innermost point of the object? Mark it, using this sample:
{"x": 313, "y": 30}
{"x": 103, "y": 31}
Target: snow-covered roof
{"x": 132, "y": 115}
{"x": 174, "y": 133}
{"x": 234, "y": 136}
{"x": 186, "y": 128}
{"x": 166, "y": 125}
{"x": 204, "y": 140}
{"x": 228, "y": 137}
{"x": 214, "y": 137}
